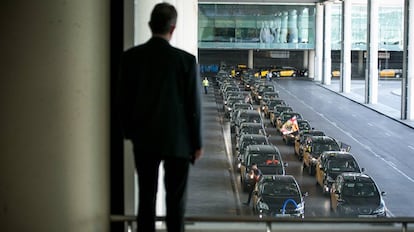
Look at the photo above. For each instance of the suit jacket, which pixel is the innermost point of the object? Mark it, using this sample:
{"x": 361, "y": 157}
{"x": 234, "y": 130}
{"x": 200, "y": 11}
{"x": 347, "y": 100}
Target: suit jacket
{"x": 159, "y": 99}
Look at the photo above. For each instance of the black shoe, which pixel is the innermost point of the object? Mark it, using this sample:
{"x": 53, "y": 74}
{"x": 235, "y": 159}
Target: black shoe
{"x": 246, "y": 203}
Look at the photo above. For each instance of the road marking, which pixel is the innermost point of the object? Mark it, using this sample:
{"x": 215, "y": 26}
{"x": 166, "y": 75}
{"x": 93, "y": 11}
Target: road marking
{"x": 370, "y": 124}
{"x": 411, "y": 147}
{"x": 390, "y": 164}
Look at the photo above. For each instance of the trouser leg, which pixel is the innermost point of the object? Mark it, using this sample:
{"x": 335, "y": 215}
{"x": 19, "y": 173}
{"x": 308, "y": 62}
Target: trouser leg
{"x": 147, "y": 170}
{"x": 176, "y": 175}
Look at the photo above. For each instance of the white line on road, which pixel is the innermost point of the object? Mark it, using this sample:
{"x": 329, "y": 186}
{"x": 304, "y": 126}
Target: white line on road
{"x": 390, "y": 164}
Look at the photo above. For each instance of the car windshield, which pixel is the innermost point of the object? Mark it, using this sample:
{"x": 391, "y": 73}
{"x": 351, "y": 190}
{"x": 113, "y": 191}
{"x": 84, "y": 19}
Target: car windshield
{"x": 250, "y": 130}
{"x": 342, "y": 165}
{"x": 256, "y": 141}
{"x": 265, "y": 159}
{"x": 359, "y": 189}
{"x": 321, "y": 147}
{"x": 251, "y": 118}
{"x": 304, "y": 126}
{"x": 278, "y": 189}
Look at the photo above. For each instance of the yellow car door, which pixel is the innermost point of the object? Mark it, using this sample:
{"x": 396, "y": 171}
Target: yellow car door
{"x": 320, "y": 173}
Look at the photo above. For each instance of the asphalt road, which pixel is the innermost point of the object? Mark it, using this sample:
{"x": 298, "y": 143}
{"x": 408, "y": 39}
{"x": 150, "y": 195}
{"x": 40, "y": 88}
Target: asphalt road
{"x": 383, "y": 146}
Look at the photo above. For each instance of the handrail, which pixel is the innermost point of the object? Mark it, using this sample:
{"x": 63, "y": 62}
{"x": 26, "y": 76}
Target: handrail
{"x": 404, "y": 221}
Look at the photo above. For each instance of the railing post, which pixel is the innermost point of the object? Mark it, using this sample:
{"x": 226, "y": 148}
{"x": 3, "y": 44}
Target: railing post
{"x": 404, "y": 227}
{"x": 268, "y": 226}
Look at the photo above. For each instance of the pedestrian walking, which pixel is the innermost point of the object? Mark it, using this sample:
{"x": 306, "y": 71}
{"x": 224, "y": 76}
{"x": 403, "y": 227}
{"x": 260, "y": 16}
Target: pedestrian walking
{"x": 205, "y": 85}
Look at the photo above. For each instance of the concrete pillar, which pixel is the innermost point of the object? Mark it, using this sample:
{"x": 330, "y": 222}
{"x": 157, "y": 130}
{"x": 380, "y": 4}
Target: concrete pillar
{"x": 345, "y": 83}
{"x": 327, "y": 60}
{"x": 250, "y": 59}
{"x": 371, "y": 85}
{"x": 361, "y": 63}
{"x": 305, "y": 59}
{"x": 54, "y": 137}
{"x": 319, "y": 42}
{"x": 311, "y": 65}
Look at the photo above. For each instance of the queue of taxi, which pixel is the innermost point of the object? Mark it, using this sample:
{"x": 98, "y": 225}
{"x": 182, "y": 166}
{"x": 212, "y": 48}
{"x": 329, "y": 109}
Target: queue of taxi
{"x": 277, "y": 194}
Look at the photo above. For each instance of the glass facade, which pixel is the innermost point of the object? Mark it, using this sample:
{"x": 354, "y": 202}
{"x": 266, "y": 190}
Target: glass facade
{"x": 390, "y": 26}
{"x": 230, "y": 26}
{"x": 290, "y": 27}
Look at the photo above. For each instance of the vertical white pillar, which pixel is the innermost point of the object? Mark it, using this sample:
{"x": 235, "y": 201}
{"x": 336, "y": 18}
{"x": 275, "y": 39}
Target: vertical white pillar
{"x": 345, "y": 83}
{"x": 311, "y": 65}
{"x": 142, "y": 16}
{"x": 305, "y": 59}
{"x": 187, "y": 26}
{"x": 371, "y": 93}
{"x": 327, "y": 60}
{"x": 319, "y": 42}
{"x": 54, "y": 137}
{"x": 250, "y": 59}
{"x": 360, "y": 62}
{"x": 410, "y": 62}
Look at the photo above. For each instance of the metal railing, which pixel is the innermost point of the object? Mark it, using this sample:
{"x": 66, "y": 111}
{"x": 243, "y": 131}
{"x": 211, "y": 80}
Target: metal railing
{"x": 255, "y": 224}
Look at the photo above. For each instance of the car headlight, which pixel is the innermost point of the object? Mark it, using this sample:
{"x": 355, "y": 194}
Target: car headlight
{"x": 263, "y": 206}
{"x": 381, "y": 209}
{"x": 300, "y": 209}
{"x": 259, "y": 97}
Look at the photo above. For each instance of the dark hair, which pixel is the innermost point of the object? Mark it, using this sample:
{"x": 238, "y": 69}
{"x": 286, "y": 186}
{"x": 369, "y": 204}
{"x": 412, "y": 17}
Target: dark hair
{"x": 163, "y": 16}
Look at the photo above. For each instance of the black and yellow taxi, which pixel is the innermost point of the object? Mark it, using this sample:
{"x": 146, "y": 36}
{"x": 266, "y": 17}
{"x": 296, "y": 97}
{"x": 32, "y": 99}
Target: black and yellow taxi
{"x": 332, "y": 163}
{"x": 314, "y": 146}
{"x": 301, "y": 139}
{"x": 357, "y": 195}
{"x": 303, "y": 125}
{"x": 284, "y": 117}
{"x": 278, "y": 196}
{"x": 274, "y": 114}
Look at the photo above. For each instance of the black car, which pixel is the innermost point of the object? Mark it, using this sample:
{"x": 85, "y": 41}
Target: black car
{"x": 332, "y": 163}
{"x": 314, "y": 146}
{"x": 251, "y": 128}
{"x": 357, "y": 195}
{"x": 278, "y": 196}
{"x": 301, "y": 139}
{"x": 246, "y": 140}
{"x": 268, "y": 160}
{"x": 245, "y": 116}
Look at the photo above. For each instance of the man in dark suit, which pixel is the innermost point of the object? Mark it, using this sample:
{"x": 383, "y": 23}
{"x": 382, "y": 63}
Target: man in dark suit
{"x": 159, "y": 93}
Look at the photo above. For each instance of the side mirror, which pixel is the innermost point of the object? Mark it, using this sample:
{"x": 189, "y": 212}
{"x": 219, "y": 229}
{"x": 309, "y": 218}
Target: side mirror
{"x": 286, "y": 165}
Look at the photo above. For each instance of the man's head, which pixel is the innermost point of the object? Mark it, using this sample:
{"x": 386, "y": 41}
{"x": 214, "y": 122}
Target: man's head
{"x": 163, "y": 19}
{"x": 254, "y": 166}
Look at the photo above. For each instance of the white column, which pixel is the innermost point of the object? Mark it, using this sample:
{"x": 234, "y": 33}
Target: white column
{"x": 371, "y": 93}
{"x": 410, "y": 62}
{"x": 142, "y": 16}
{"x": 305, "y": 59}
{"x": 250, "y": 59}
{"x": 185, "y": 36}
{"x": 345, "y": 83}
{"x": 54, "y": 137}
{"x": 319, "y": 42}
{"x": 327, "y": 45}
{"x": 311, "y": 66}
{"x": 360, "y": 62}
